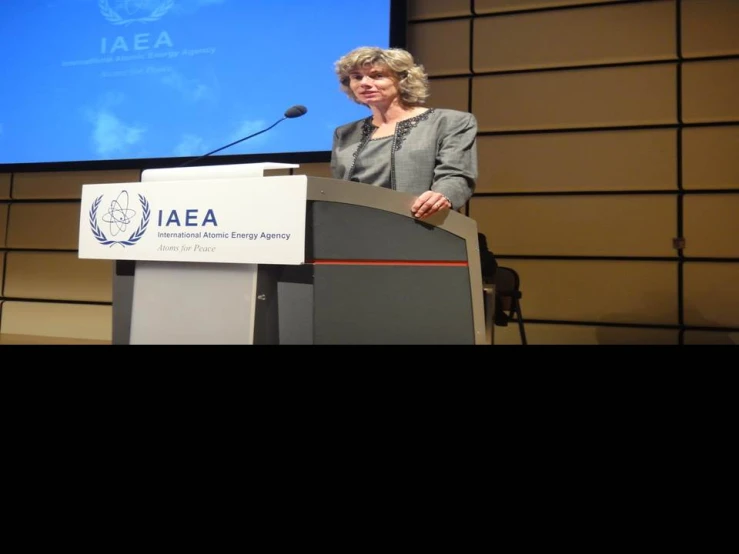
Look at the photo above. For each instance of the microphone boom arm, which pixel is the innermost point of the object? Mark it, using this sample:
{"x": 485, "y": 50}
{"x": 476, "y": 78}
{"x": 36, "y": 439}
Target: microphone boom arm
{"x": 233, "y": 143}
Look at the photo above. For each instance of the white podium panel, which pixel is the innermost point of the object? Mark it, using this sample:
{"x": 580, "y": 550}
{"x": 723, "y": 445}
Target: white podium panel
{"x": 184, "y": 303}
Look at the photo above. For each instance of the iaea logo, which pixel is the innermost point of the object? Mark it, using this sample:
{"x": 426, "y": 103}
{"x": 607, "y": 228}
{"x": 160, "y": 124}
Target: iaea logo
{"x": 125, "y": 12}
{"x": 117, "y": 219}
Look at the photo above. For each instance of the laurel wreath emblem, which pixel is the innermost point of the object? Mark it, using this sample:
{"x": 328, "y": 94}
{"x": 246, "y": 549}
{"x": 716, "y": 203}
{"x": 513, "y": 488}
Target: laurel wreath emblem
{"x": 114, "y": 17}
{"x": 97, "y": 232}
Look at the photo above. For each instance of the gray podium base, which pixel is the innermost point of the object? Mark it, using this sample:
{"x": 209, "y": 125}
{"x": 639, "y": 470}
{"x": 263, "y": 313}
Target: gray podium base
{"x": 205, "y": 303}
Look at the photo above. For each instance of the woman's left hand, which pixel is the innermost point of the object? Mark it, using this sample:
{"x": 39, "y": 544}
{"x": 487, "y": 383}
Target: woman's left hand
{"x": 429, "y": 203}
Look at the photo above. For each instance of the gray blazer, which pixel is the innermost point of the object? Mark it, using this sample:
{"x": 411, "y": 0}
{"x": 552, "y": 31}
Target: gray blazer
{"x": 436, "y": 150}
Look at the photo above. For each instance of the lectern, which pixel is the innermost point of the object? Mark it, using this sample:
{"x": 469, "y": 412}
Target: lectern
{"x": 367, "y": 273}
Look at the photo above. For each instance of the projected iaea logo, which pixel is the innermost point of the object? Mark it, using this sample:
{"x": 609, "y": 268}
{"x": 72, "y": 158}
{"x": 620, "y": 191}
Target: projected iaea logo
{"x": 117, "y": 220}
{"x": 125, "y": 12}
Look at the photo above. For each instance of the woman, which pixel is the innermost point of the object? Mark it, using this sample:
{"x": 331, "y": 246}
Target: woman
{"x": 403, "y": 145}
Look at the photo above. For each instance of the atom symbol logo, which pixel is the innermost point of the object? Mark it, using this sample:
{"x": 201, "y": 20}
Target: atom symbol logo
{"x": 119, "y": 215}
{"x": 142, "y": 11}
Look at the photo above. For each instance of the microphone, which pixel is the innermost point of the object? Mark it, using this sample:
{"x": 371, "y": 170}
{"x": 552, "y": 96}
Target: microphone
{"x": 291, "y": 113}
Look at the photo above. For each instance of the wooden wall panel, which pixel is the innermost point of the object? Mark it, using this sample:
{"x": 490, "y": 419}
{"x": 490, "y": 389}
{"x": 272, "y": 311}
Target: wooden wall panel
{"x": 450, "y": 93}
{"x": 711, "y": 337}
{"x": 443, "y": 47}
{"x": 48, "y": 341}
{"x": 711, "y": 225}
{"x": 4, "y": 186}
{"x": 579, "y": 161}
{"x": 709, "y": 27}
{"x": 711, "y": 294}
{"x": 560, "y": 38}
{"x": 2, "y": 272}
{"x": 277, "y": 172}
{"x": 711, "y": 157}
{"x": 544, "y": 334}
{"x": 4, "y": 208}
{"x": 509, "y": 335}
{"x": 315, "y": 169}
{"x": 66, "y": 185}
{"x": 578, "y": 225}
{"x": 77, "y": 321}
{"x": 58, "y": 276}
{"x": 44, "y": 226}
{"x": 711, "y": 91}
{"x": 598, "y": 291}
{"x": 498, "y": 6}
{"x": 614, "y": 96}
{"x": 429, "y": 9}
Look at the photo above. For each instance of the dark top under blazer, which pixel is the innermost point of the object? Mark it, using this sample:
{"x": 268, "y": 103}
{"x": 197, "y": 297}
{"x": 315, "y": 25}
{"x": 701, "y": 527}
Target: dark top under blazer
{"x": 435, "y": 150}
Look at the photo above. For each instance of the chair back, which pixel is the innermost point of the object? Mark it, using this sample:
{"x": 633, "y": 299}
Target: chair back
{"x": 507, "y": 284}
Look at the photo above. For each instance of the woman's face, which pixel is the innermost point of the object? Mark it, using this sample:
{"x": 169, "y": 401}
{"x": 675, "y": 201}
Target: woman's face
{"x": 374, "y": 85}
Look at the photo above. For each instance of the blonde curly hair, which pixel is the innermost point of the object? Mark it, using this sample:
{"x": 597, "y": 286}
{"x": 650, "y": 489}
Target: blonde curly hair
{"x": 410, "y": 77}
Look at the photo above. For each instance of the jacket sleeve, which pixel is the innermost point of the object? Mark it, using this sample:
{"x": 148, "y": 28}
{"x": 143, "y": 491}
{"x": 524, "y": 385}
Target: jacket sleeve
{"x": 455, "y": 173}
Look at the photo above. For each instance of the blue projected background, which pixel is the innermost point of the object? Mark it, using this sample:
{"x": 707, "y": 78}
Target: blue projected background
{"x": 86, "y": 80}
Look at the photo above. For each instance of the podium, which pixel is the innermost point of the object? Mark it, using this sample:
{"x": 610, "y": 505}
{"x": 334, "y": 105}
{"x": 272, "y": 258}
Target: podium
{"x": 370, "y": 273}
